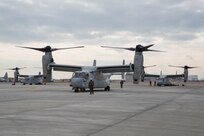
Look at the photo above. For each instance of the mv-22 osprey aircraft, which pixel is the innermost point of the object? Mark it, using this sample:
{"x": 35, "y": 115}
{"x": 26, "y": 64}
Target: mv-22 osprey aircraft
{"x": 163, "y": 80}
{"x": 101, "y": 74}
{"x": 26, "y": 79}
{"x": 83, "y": 74}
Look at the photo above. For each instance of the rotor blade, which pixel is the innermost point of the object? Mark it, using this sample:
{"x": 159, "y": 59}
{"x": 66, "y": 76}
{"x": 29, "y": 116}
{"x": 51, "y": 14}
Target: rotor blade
{"x": 150, "y": 66}
{"x": 192, "y": 67}
{"x": 145, "y": 48}
{"x": 38, "y": 49}
{"x": 130, "y": 49}
{"x": 55, "y": 49}
{"x": 148, "y": 46}
{"x": 154, "y": 50}
{"x": 176, "y": 66}
{"x": 16, "y": 68}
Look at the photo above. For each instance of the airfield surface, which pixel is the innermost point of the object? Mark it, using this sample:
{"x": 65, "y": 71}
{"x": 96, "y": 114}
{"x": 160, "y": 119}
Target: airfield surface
{"x": 135, "y": 110}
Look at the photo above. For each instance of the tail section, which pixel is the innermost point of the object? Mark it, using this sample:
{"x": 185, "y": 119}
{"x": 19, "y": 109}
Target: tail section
{"x": 161, "y": 73}
{"x": 6, "y": 77}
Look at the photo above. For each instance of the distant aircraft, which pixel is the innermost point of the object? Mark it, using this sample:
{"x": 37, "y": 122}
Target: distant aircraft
{"x": 32, "y": 79}
{"x": 4, "y": 78}
{"x": 163, "y": 80}
{"x": 47, "y": 59}
{"x": 27, "y": 79}
{"x": 16, "y": 73}
{"x": 185, "y": 73}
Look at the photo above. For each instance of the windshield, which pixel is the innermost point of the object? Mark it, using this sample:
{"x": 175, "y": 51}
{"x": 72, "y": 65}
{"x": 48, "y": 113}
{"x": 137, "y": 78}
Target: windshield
{"x": 80, "y": 75}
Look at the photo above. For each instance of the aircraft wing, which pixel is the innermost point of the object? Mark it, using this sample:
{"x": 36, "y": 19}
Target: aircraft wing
{"x": 69, "y": 68}
{"x": 113, "y": 69}
{"x": 30, "y": 75}
{"x": 175, "y": 76}
{"x": 151, "y": 75}
{"x": 37, "y": 75}
{"x": 23, "y": 75}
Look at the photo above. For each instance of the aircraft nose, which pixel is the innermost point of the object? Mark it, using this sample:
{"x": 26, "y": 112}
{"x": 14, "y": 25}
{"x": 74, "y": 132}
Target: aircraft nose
{"x": 77, "y": 82}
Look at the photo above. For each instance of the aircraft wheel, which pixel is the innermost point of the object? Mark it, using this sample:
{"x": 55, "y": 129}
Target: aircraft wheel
{"x": 76, "y": 90}
{"x": 108, "y": 88}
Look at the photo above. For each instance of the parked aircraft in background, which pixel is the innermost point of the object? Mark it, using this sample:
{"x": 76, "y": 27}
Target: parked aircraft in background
{"x": 185, "y": 73}
{"x": 32, "y": 79}
{"x": 26, "y": 79}
{"x": 4, "y": 78}
{"x": 163, "y": 80}
{"x": 16, "y": 73}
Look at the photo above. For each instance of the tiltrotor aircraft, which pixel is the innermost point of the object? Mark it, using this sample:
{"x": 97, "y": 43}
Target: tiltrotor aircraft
{"x": 185, "y": 73}
{"x": 16, "y": 73}
{"x": 83, "y": 74}
{"x": 26, "y": 79}
{"x": 32, "y": 79}
{"x": 101, "y": 74}
{"x": 163, "y": 80}
{"x": 47, "y": 59}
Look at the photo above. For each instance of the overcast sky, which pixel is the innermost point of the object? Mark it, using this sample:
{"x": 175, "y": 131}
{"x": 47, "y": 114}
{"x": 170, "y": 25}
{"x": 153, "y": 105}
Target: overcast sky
{"x": 174, "y": 26}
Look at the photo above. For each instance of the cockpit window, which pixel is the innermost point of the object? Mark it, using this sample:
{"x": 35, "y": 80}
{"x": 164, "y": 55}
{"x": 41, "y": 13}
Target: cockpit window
{"x": 81, "y": 75}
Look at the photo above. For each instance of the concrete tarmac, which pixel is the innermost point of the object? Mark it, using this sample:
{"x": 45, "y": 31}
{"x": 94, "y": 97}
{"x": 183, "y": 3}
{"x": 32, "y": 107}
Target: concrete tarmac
{"x": 135, "y": 110}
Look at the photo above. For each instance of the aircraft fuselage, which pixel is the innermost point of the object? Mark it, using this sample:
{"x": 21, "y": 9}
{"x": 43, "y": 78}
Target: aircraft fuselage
{"x": 80, "y": 79}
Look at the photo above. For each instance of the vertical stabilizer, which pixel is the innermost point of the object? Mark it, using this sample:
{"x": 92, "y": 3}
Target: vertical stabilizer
{"x": 161, "y": 73}
{"x": 6, "y": 77}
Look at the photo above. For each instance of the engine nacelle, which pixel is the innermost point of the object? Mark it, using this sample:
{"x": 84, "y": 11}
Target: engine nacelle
{"x": 47, "y": 73}
{"x": 185, "y": 75}
{"x": 138, "y": 66}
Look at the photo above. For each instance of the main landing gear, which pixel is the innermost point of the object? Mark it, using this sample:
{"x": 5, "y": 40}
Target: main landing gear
{"x": 107, "y": 88}
{"x": 76, "y": 90}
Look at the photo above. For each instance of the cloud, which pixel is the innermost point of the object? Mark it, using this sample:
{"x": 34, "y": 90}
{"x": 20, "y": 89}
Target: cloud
{"x": 175, "y": 26}
{"x": 26, "y": 20}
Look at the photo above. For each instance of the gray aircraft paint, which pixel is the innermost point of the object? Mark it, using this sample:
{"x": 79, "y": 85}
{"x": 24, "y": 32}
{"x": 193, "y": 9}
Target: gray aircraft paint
{"x": 46, "y": 60}
{"x": 185, "y": 74}
{"x": 138, "y": 66}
